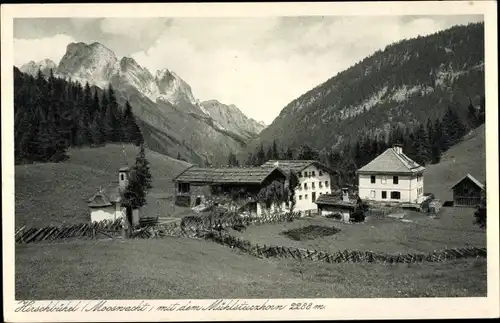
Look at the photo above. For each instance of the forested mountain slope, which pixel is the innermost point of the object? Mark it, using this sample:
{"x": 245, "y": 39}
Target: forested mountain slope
{"x": 406, "y": 83}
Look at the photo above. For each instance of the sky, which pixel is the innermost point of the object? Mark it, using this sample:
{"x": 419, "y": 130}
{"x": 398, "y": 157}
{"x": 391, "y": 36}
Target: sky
{"x": 258, "y": 64}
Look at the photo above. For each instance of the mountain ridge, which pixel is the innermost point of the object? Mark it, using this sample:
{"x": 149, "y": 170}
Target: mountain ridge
{"x": 163, "y": 101}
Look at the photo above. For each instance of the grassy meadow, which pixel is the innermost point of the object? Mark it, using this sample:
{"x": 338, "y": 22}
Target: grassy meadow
{"x": 179, "y": 268}
{"x": 467, "y": 156}
{"x": 453, "y": 228}
{"x": 56, "y": 193}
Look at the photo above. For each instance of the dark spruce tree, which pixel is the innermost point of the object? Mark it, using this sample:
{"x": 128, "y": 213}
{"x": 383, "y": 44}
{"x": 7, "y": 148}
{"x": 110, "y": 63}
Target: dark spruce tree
{"x": 261, "y": 155}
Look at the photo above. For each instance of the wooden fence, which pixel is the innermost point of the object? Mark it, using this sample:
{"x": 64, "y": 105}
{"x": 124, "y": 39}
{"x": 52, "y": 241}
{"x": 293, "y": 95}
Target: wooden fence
{"x": 148, "y": 228}
{"x": 342, "y": 256}
{"x": 51, "y": 233}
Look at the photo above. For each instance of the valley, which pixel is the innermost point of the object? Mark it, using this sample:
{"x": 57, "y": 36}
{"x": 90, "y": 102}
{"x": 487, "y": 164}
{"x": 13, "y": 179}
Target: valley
{"x": 222, "y": 229}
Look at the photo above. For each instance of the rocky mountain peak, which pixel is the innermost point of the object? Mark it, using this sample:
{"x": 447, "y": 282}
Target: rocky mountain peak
{"x": 33, "y": 67}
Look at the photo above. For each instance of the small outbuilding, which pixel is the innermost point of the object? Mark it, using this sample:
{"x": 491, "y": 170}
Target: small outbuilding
{"x": 341, "y": 207}
{"x": 467, "y": 191}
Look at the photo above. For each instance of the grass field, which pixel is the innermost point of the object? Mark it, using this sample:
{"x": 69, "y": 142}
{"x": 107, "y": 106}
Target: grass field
{"x": 468, "y": 156}
{"x": 52, "y": 193}
{"x": 452, "y": 228}
{"x": 175, "y": 268}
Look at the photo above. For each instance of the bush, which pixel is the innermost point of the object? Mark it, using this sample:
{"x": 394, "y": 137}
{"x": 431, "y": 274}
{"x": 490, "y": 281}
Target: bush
{"x": 480, "y": 213}
{"x": 358, "y": 216}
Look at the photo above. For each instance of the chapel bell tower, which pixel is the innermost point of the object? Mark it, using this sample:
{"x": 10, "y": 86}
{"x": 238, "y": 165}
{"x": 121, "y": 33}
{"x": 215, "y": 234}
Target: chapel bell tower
{"x": 123, "y": 176}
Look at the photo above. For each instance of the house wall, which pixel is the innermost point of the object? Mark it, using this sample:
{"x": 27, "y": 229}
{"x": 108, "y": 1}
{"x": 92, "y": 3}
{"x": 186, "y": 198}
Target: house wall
{"x": 112, "y": 213}
{"x": 411, "y": 187}
{"x": 345, "y": 214}
{"x": 304, "y": 197}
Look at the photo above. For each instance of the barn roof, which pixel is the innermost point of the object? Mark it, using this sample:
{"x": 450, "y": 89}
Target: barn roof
{"x": 333, "y": 200}
{"x": 105, "y": 196}
{"x": 236, "y": 175}
{"x": 469, "y": 176}
{"x": 391, "y": 161}
{"x": 295, "y": 165}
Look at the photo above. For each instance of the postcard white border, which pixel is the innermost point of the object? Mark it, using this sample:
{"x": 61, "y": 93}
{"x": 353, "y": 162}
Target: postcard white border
{"x": 337, "y": 308}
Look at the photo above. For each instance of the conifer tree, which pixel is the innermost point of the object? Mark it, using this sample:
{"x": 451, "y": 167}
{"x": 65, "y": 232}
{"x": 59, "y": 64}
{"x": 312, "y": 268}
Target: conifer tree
{"x": 134, "y": 195}
{"x": 422, "y": 146}
{"x": 261, "y": 156}
{"x": 114, "y": 129}
{"x": 434, "y": 142}
{"x": 275, "y": 151}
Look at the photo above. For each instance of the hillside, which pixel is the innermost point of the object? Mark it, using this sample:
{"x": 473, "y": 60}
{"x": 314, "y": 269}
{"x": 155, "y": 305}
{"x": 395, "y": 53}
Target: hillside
{"x": 52, "y": 193}
{"x": 468, "y": 156}
{"x": 407, "y": 82}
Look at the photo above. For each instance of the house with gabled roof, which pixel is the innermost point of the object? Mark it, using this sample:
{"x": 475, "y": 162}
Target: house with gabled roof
{"x": 315, "y": 179}
{"x": 467, "y": 191}
{"x": 195, "y": 185}
{"x": 392, "y": 177}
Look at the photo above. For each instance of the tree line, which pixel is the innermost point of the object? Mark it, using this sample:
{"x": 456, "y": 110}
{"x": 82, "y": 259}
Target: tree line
{"x": 423, "y": 142}
{"x": 52, "y": 114}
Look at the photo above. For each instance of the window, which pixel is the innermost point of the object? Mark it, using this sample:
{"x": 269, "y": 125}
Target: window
{"x": 326, "y": 183}
{"x": 395, "y": 195}
{"x": 300, "y": 197}
{"x": 300, "y": 174}
{"x": 372, "y": 194}
{"x": 320, "y": 173}
{"x": 320, "y": 184}
{"x": 372, "y": 179}
{"x": 384, "y": 179}
{"x": 313, "y": 173}
{"x": 305, "y": 186}
{"x": 313, "y": 186}
{"x": 384, "y": 194}
{"x": 395, "y": 180}
{"x": 305, "y": 197}
{"x": 122, "y": 177}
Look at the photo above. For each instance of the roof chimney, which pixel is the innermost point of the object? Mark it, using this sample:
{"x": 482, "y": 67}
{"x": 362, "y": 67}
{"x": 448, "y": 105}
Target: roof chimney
{"x": 398, "y": 148}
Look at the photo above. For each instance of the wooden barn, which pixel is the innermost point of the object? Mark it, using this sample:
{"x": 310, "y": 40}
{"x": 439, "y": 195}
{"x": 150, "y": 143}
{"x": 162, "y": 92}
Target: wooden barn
{"x": 467, "y": 192}
{"x": 197, "y": 185}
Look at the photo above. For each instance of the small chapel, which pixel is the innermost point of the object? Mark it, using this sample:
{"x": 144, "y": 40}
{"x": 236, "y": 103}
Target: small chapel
{"x": 106, "y": 203}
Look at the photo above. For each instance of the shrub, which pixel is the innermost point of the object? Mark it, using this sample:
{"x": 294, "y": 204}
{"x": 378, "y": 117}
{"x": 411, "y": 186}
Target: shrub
{"x": 358, "y": 216}
{"x": 480, "y": 213}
